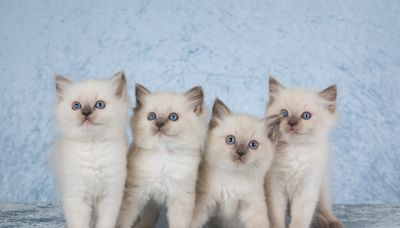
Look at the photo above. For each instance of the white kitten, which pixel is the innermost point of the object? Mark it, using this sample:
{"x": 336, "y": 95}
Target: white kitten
{"x": 232, "y": 174}
{"x": 299, "y": 174}
{"x": 170, "y": 131}
{"x": 90, "y": 157}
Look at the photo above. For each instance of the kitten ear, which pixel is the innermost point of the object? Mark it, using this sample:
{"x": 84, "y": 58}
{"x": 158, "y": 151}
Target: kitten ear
{"x": 274, "y": 88}
{"x": 140, "y": 92}
{"x": 119, "y": 83}
{"x": 272, "y": 122}
{"x": 61, "y": 84}
{"x": 195, "y": 97}
{"x": 219, "y": 112}
{"x": 329, "y": 95}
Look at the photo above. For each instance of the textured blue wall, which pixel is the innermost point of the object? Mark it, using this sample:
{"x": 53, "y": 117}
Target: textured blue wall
{"x": 229, "y": 47}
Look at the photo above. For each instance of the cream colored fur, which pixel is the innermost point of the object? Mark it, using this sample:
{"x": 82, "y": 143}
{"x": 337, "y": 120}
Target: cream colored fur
{"x": 300, "y": 167}
{"x": 90, "y": 157}
{"x": 232, "y": 190}
{"x": 163, "y": 166}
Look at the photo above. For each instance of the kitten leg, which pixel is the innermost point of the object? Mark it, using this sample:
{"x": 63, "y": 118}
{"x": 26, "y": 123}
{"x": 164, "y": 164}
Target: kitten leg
{"x": 107, "y": 211}
{"x": 277, "y": 206}
{"x": 77, "y": 212}
{"x": 180, "y": 210}
{"x": 302, "y": 208}
{"x": 324, "y": 209}
{"x": 253, "y": 212}
{"x": 133, "y": 202}
{"x": 150, "y": 216}
{"x": 205, "y": 207}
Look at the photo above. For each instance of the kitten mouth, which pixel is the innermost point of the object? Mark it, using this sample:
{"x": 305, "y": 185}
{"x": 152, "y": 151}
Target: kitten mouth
{"x": 87, "y": 122}
{"x": 239, "y": 160}
{"x": 159, "y": 131}
{"x": 293, "y": 130}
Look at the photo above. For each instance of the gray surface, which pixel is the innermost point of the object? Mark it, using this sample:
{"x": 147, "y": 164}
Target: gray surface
{"x": 49, "y": 215}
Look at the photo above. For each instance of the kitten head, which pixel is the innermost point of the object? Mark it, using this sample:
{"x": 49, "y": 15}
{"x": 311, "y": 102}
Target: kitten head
{"x": 177, "y": 120}
{"x": 305, "y": 114}
{"x": 93, "y": 108}
{"x": 237, "y": 141}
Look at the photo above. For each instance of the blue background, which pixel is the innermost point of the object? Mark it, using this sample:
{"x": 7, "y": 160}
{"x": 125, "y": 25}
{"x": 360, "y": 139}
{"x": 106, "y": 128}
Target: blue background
{"x": 228, "y": 47}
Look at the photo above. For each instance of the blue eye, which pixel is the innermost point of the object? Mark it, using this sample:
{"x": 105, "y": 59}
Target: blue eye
{"x": 306, "y": 115}
{"x": 253, "y": 144}
{"x": 173, "y": 116}
{"x": 76, "y": 106}
{"x": 230, "y": 139}
{"x": 100, "y": 105}
{"x": 284, "y": 113}
{"x": 151, "y": 116}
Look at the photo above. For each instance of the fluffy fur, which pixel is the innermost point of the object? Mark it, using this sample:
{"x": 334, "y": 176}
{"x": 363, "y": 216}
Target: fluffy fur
{"x": 231, "y": 178}
{"x": 90, "y": 157}
{"x": 164, "y": 160}
{"x": 298, "y": 178}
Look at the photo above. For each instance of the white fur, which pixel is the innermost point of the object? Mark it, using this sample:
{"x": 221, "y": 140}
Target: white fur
{"x": 90, "y": 159}
{"x": 301, "y": 160}
{"x": 230, "y": 191}
{"x": 164, "y": 167}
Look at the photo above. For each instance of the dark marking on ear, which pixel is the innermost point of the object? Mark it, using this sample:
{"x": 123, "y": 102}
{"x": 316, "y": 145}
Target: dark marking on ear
{"x": 273, "y": 122}
{"x": 119, "y": 81}
{"x": 61, "y": 84}
{"x": 274, "y": 88}
{"x": 330, "y": 94}
{"x": 219, "y": 112}
{"x": 195, "y": 98}
{"x": 140, "y": 92}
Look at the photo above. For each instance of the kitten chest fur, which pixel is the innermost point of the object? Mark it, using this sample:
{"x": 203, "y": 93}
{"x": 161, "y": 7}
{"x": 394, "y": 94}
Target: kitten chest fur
{"x": 229, "y": 188}
{"x": 164, "y": 168}
{"x": 91, "y": 167}
{"x": 297, "y": 165}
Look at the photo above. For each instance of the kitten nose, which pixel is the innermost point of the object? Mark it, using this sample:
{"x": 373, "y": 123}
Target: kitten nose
{"x": 240, "y": 153}
{"x": 160, "y": 123}
{"x": 86, "y": 111}
{"x": 292, "y": 121}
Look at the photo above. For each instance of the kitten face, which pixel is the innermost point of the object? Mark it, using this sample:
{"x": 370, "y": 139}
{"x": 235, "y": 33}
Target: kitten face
{"x": 168, "y": 117}
{"x": 237, "y": 141}
{"x": 89, "y": 108}
{"x": 304, "y": 113}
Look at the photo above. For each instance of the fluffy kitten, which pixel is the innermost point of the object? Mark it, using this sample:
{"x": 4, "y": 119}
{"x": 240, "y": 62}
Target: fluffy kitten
{"x": 170, "y": 131}
{"x": 90, "y": 157}
{"x": 298, "y": 178}
{"x": 232, "y": 173}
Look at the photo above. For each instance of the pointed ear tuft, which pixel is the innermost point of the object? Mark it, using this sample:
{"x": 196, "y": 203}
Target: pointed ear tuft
{"x": 120, "y": 85}
{"x": 61, "y": 84}
{"x": 219, "y": 112}
{"x": 273, "y": 122}
{"x": 195, "y": 98}
{"x": 140, "y": 92}
{"x": 329, "y": 95}
{"x": 274, "y": 88}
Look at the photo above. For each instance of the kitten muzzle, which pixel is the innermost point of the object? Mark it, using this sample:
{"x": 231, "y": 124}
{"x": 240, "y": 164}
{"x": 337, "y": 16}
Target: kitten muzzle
{"x": 86, "y": 111}
{"x": 293, "y": 121}
{"x": 160, "y": 123}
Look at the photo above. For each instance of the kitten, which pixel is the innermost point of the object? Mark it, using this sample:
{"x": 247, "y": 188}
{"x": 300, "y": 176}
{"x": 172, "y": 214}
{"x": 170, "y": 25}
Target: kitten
{"x": 298, "y": 177}
{"x": 170, "y": 131}
{"x": 90, "y": 157}
{"x": 232, "y": 173}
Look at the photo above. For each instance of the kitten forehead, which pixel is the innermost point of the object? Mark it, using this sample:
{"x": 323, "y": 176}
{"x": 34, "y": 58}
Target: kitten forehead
{"x": 89, "y": 90}
{"x": 164, "y": 102}
{"x": 244, "y": 127}
{"x": 298, "y": 100}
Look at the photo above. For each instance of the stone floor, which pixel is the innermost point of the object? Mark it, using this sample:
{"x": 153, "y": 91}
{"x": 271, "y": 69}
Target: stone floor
{"x": 50, "y": 215}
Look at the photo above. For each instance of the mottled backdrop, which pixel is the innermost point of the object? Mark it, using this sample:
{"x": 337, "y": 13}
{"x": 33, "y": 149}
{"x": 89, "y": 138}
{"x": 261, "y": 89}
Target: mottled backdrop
{"x": 228, "y": 47}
